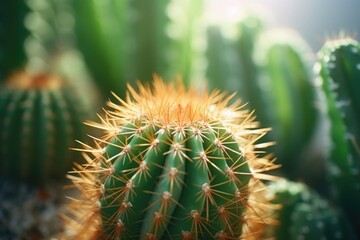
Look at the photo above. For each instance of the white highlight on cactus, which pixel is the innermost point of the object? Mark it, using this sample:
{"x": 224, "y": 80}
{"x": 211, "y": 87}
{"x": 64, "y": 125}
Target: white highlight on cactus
{"x": 331, "y": 65}
{"x": 166, "y": 195}
{"x": 172, "y": 172}
{"x": 358, "y": 66}
{"x": 205, "y": 187}
{"x": 320, "y": 225}
{"x": 343, "y": 103}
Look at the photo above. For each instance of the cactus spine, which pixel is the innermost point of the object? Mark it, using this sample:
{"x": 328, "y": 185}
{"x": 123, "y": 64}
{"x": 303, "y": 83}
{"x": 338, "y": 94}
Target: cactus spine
{"x": 40, "y": 119}
{"x": 339, "y": 70}
{"x": 173, "y": 163}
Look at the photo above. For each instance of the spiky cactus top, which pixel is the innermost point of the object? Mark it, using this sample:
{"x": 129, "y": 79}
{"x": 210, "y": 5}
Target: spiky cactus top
{"x": 172, "y": 163}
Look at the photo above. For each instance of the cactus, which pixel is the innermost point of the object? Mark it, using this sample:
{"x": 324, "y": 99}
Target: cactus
{"x": 271, "y": 70}
{"x": 231, "y": 59}
{"x": 31, "y": 32}
{"x": 338, "y": 69}
{"x": 125, "y": 40}
{"x": 41, "y": 116}
{"x": 305, "y": 215}
{"x": 285, "y": 81}
{"x": 12, "y": 36}
{"x": 172, "y": 164}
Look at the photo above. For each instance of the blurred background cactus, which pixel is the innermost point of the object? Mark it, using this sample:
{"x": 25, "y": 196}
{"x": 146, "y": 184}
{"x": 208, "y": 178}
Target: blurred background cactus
{"x": 307, "y": 96}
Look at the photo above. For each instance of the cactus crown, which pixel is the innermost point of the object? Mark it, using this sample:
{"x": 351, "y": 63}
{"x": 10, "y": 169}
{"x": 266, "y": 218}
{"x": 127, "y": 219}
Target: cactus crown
{"x": 173, "y": 162}
{"x": 24, "y": 80}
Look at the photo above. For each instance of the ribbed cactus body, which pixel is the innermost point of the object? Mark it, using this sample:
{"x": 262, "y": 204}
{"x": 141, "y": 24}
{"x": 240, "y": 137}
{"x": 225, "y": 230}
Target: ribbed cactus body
{"x": 40, "y": 120}
{"x": 305, "y": 215}
{"x": 175, "y": 165}
{"x": 285, "y": 82}
{"x": 339, "y": 71}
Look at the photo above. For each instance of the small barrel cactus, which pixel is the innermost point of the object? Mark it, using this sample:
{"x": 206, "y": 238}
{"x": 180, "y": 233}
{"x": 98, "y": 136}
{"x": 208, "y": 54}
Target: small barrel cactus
{"x": 303, "y": 214}
{"x": 41, "y": 117}
{"x": 339, "y": 70}
{"x": 173, "y": 164}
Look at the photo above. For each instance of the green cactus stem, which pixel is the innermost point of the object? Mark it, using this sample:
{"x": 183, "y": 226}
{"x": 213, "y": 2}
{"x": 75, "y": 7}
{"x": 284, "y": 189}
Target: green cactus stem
{"x": 12, "y": 35}
{"x": 286, "y": 84}
{"x": 41, "y": 117}
{"x": 339, "y": 71}
{"x": 305, "y": 215}
{"x": 31, "y": 32}
{"x": 172, "y": 164}
{"x": 231, "y": 58}
{"x": 125, "y": 40}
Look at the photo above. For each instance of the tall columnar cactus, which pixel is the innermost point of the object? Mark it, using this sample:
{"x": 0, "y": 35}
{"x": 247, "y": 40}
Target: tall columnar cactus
{"x": 339, "y": 71}
{"x": 172, "y": 164}
{"x": 303, "y": 214}
{"x": 124, "y": 40}
{"x": 231, "y": 59}
{"x": 41, "y": 117}
{"x": 285, "y": 82}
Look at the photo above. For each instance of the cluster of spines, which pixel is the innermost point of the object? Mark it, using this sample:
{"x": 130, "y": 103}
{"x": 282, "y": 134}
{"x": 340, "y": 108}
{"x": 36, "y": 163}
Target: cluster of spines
{"x": 40, "y": 120}
{"x": 338, "y": 70}
{"x": 303, "y": 214}
{"x": 182, "y": 179}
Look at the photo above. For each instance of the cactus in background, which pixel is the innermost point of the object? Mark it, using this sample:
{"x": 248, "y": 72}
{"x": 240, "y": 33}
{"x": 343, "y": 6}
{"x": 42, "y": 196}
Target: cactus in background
{"x": 338, "y": 69}
{"x": 125, "y": 41}
{"x": 172, "y": 163}
{"x": 41, "y": 117}
{"x": 286, "y": 84}
{"x": 12, "y": 35}
{"x": 31, "y": 32}
{"x": 231, "y": 59}
{"x": 271, "y": 70}
{"x": 305, "y": 215}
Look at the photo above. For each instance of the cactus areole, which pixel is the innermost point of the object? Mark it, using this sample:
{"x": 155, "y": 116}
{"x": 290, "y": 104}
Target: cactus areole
{"x": 172, "y": 164}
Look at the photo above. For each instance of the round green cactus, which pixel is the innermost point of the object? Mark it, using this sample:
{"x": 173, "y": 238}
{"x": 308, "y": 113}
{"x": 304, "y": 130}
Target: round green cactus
{"x": 172, "y": 164}
{"x": 41, "y": 117}
{"x": 338, "y": 70}
{"x": 305, "y": 215}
